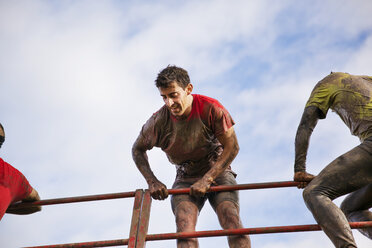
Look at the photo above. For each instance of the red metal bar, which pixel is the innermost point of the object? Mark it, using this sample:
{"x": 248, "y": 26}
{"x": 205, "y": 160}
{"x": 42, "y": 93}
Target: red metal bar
{"x": 107, "y": 243}
{"x": 144, "y": 222}
{"x": 75, "y": 199}
{"x": 239, "y": 187}
{"x": 136, "y": 215}
{"x": 170, "y": 191}
{"x": 243, "y": 231}
{"x": 212, "y": 233}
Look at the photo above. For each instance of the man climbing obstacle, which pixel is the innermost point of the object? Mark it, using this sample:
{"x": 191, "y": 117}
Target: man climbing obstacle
{"x": 350, "y": 97}
{"x": 196, "y": 133}
{"x": 14, "y": 187}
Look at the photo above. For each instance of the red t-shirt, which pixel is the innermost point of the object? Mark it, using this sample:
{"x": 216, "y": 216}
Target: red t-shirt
{"x": 15, "y": 181}
{"x": 191, "y": 144}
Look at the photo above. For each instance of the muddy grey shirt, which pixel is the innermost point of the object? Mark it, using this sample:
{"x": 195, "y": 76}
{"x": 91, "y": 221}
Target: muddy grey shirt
{"x": 350, "y": 97}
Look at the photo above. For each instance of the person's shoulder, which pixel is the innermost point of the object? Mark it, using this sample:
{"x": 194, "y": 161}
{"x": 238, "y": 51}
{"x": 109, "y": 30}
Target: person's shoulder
{"x": 339, "y": 74}
{"x": 159, "y": 116}
{"x": 202, "y": 99}
{"x": 2, "y": 162}
{"x": 335, "y": 76}
{"x": 160, "y": 112}
{"x": 8, "y": 166}
{"x": 364, "y": 77}
{"x": 332, "y": 80}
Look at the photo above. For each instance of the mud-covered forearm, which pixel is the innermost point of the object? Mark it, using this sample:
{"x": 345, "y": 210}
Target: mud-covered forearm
{"x": 231, "y": 149}
{"x": 221, "y": 164}
{"x": 301, "y": 147}
{"x": 141, "y": 160}
{"x": 308, "y": 122}
{"x": 158, "y": 190}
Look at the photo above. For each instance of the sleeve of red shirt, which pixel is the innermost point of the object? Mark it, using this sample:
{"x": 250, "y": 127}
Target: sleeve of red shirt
{"x": 220, "y": 119}
{"x": 13, "y": 179}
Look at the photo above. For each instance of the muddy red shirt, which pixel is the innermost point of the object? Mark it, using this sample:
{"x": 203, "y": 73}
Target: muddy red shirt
{"x": 15, "y": 181}
{"x": 191, "y": 144}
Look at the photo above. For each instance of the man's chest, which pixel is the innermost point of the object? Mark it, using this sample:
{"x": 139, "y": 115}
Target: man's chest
{"x": 187, "y": 140}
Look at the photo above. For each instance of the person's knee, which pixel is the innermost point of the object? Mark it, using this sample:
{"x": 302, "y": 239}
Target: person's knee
{"x": 186, "y": 214}
{"x": 345, "y": 209}
{"x": 311, "y": 192}
{"x": 350, "y": 213}
{"x": 308, "y": 194}
{"x": 228, "y": 214}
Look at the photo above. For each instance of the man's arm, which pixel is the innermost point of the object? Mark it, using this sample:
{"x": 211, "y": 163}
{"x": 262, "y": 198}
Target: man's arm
{"x": 33, "y": 196}
{"x": 308, "y": 122}
{"x": 230, "y": 145}
{"x": 157, "y": 189}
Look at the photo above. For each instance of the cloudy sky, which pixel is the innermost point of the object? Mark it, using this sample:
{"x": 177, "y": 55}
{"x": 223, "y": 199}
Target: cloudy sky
{"x": 77, "y": 84}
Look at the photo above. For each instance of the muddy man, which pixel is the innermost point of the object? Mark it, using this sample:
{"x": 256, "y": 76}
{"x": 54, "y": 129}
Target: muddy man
{"x": 351, "y": 173}
{"x": 196, "y": 133}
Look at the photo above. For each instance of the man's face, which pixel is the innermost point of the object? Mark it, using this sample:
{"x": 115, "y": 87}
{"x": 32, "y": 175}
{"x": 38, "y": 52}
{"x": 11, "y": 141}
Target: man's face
{"x": 177, "y": 99}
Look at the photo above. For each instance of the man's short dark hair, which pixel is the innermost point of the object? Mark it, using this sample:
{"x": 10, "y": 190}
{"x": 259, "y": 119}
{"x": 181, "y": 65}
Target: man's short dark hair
{"x": 172, "y": 74}
{"x": 2, "y": 128}
{"x": 2, "y": 138}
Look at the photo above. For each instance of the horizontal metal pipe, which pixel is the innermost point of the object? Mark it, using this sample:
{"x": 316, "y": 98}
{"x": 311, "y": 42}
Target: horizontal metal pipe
{"x": 244, "y": 231}
{"x": 107, "y": 243}
{"x": 170, "y": 191}
{"x": 239, "y": 187}
{"x": 212, "y": 233}
{"x": 73, "y": 199}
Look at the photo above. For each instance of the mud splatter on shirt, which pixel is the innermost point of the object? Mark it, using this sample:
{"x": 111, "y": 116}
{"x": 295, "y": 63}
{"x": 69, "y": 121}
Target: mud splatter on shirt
{"x": 350, "y": 97}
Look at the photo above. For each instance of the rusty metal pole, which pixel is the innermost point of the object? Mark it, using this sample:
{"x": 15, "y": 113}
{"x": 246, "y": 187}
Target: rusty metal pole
{"x": 212, "y": 233}
{"x": 170, "y": 191}
{"x": 248, "y": 186}
{"x": 136, "y": 215}
{"x": 144, "y": 221}
{"x": 243, "y": 231}
{"x": 73, "y": 199}
{"x": 135, "y": 234}
{"x": 107, "y": 243}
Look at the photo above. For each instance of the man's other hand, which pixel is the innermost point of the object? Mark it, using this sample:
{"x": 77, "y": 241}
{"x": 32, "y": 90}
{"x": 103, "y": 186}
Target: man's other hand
{"x": 200, "y": 188}
{"x": 158, "y": 190}
{"x": 303, "y": 178}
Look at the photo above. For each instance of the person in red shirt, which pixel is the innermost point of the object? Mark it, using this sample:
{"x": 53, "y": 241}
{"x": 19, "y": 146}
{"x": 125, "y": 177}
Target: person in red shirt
{"x": 14, "y": 187}
{"x": 196, "y": 133}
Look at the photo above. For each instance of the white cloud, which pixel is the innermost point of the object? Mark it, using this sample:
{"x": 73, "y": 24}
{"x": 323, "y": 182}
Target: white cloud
{"x": 361, "y": 61}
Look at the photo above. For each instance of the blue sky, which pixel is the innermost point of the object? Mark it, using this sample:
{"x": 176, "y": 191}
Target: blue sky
{"x": 77, "y": 84}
